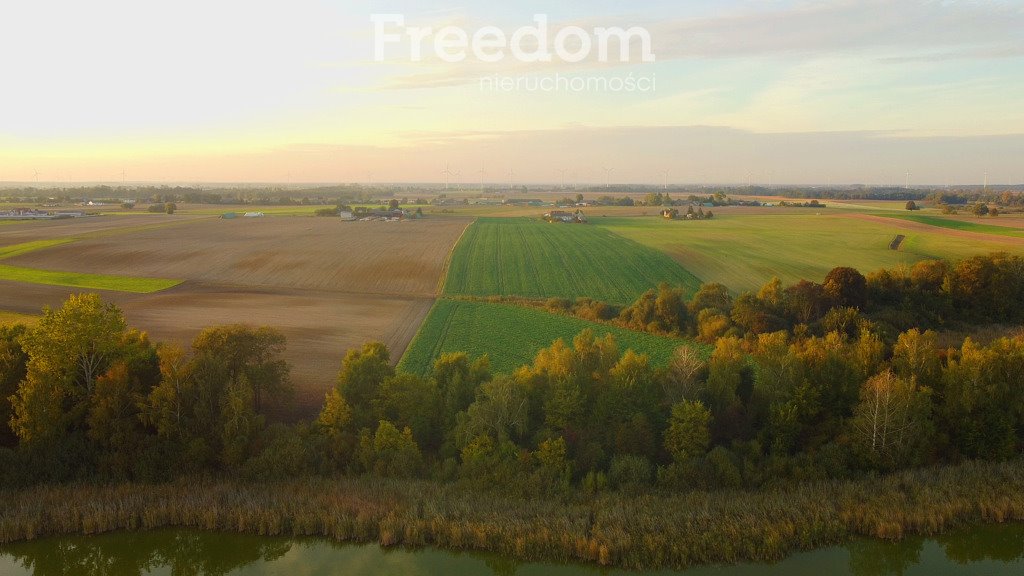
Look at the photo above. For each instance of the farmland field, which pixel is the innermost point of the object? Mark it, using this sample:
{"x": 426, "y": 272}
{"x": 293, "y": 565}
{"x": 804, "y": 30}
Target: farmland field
{"x": 512, "y": 335}
{"x": 327, "y": 285}
{"x": 85, "y": 280}
{"x": 745, "y": 250}
{"x": 957, "y": 224}
{"x": 530, "y": 258}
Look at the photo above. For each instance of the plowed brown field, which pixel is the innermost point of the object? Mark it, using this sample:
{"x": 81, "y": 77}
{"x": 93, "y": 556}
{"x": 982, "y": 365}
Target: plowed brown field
{"x": 328, "y": 285}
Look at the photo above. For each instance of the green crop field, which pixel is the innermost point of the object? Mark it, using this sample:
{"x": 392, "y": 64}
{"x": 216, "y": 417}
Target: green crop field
{"x": 743, "y": 251}
{"x": 530, "y": 258}
{"x": 964, "y": 225}
{"x": 512, "y": 335}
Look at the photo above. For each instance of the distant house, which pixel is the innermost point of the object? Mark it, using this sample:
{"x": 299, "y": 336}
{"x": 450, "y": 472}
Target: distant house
{"x": 577, "y": 217}
{"x": 345, "y": 215}
{"x": 254, "y": 214}
{"x": 670, "y": 213}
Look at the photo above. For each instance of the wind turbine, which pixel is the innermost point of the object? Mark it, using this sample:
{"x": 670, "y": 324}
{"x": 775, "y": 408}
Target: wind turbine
{"x": 458, "y": 178}
{"x": 481, "y": 172}
{"x": 510, "y": 174}
{"x": 447, "y": 172}
{"x": 908, "y": 180}
{"x": 664, "y": 174}
{"x": 561, "y": 172}
{"x": 986, "y": 181}
{"x": 35, "y": 174}
{"x": 608, "y": 177}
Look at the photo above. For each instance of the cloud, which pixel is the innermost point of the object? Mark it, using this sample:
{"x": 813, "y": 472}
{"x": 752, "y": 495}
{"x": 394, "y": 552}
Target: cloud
{"x": 974, "y": 29}
{"x": 892, "y": 31}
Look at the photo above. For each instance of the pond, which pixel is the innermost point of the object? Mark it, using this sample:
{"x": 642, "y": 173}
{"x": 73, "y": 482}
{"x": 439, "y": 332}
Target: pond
{"x": 985, "y": 550}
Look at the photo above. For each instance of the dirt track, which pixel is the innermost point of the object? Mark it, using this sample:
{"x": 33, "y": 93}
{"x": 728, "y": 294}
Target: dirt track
{"x": 327, "y": 285}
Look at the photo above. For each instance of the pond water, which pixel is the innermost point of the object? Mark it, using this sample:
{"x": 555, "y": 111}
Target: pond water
{"x": 986, "y": 550}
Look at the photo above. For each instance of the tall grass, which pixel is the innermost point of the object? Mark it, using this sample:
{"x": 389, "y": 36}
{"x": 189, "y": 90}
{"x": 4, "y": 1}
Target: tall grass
{"x": 649, "y": 532}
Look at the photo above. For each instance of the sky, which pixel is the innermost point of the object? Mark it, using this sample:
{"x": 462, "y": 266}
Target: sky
{"x": 762, "y": 92}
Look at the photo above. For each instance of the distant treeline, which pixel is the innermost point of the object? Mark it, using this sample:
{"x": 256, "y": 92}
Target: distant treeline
{"x": 1002, "y": 196}
{"x": 257, "y": 195}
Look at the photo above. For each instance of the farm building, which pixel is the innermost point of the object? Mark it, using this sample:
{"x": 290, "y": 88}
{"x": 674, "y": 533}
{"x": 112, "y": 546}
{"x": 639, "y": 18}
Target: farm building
{"x": 346, "y": 215}
{"x": 670, "y": 213}
{"x": 523, "y": 202}
{"x": 25, "y": 214}
{"x": 576, "y": 217}
{"x": 390, "y": 215}
{"x": 254, "y": 214}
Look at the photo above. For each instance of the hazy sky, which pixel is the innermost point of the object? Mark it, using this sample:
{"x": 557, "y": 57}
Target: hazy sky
{"x": 795, "y": 92}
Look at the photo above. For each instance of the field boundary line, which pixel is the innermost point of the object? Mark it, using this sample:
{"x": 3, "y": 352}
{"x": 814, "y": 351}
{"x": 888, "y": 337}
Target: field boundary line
{"x": 442, "y": 282}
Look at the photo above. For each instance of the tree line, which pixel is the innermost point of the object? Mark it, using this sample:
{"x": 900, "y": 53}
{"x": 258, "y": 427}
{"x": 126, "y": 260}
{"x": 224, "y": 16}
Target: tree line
{"x": 801, "y": 384}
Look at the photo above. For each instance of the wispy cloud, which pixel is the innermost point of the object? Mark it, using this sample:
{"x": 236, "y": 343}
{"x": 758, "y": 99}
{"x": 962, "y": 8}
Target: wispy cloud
{"x": 892, "y": 31}
{"x": 901, "y": 27}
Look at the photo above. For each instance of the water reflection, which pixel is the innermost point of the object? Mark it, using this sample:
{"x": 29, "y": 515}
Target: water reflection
{"x": 177, "y": 552}
{"x": 983, "y": 550}
{"x": 877, "y": 558}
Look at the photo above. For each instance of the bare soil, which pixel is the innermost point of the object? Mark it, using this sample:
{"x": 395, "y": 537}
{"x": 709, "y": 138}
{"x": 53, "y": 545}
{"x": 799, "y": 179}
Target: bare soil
{"x": 328, "y": 285}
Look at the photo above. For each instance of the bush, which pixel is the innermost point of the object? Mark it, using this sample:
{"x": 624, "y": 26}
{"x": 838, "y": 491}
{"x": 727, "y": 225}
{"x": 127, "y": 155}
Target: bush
{"x": 630, "y": 473}
{"x": 285, "y": 455}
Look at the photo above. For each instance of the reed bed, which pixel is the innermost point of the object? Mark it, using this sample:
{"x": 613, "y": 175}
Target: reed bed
{"x": 648, "y": 532}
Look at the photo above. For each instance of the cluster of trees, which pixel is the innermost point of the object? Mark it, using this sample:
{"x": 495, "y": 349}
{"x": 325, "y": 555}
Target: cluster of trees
{"x": 1008, "y": 198}
{"x": 163, "y": 208}
{"x": 808, "y": 204}
{"x": 762, "y": 407}
{"x": 932, "y": 294}
{"x": 84, "y": 396}
{"x": 691, "y": 214}
{"x": 1000, "y": 195}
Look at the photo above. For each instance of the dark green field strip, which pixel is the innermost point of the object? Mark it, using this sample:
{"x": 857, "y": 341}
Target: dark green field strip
{"x": 953, "y": 224}
{"x": 512, "y": 335}
{"x": 530, "y": 258}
